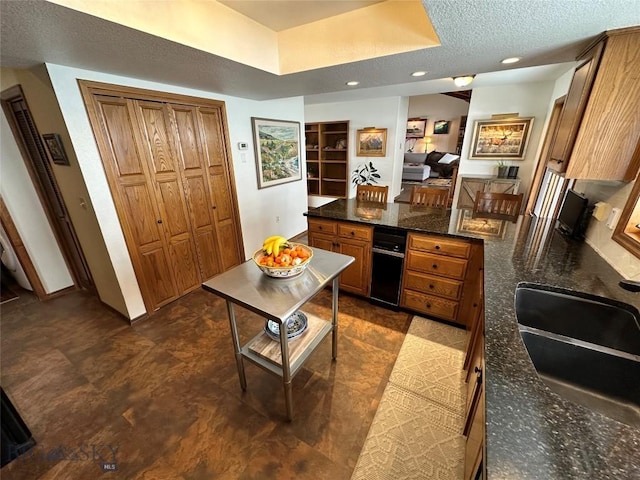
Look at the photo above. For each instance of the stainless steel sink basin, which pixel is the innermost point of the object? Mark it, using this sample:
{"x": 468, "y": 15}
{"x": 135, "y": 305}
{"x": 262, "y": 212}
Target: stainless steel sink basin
{"x": 584, "y": 347}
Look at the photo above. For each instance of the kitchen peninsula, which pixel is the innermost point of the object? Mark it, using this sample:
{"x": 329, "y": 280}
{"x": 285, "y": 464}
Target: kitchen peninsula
{"x": 531, "y": 433}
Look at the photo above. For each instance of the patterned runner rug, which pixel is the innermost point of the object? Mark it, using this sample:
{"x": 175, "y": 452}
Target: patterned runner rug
{"x": 417, "y": 430}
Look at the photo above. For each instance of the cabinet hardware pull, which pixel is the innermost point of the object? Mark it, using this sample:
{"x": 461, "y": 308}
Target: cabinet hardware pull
{"x": 213, "y": 207}
{"x": 435, "y": 266}
{"x": 477, "y": 369}
{"x": 353, "y": 233}
{"x": 320, "y": 228}
{"x": 159, "y": 221}
{"x": 431, "y": 286}
{"x": 437, "y": 247}
{"x": 428, "y": 305}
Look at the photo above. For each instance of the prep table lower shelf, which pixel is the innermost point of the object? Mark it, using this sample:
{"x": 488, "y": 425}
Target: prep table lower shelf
{"x": 266, "y": 352}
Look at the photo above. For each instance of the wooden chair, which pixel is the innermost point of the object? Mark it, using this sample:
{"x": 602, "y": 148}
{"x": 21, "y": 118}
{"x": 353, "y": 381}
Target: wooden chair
{"x": 502, "y": 206}
{"x": 429, "y": 197}
{"x": 372, "y": 193}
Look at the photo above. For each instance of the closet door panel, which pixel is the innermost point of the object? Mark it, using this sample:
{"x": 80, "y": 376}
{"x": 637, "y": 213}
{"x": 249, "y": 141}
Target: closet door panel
{"x": 220, "y": 183}
{"x": 157, "y": 139}
{"x": 187, "y": 133}
{"x": 158, "y": 273}
{"x": 136, "y": 201}
{"x": 144, "y": 225}
{"x": 194, "y": 174}
{"x": 123, "y": 147}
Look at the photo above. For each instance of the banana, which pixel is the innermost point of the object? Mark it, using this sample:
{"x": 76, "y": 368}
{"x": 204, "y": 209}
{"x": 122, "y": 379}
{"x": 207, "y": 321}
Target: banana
{"x": 269, "y": 240}
{"x": 276, "y": 245}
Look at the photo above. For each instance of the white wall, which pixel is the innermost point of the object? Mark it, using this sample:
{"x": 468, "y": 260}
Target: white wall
{"x": 527, "y": 100}
{"x": 389, "y": 113}
{"x": 257, "y": 208}
{"x": 27, "y": 214}
{"x": 438, "y": 107}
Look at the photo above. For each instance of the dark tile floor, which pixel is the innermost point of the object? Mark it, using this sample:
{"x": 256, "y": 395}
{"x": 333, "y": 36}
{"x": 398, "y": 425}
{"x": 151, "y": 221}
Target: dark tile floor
{"x": 163, "y": 399}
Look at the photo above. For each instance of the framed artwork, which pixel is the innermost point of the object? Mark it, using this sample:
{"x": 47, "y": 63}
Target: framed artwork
{"x": 371, "y": 142}
{"x": 440, "y": 127}
{"x": 489, "y": 227}
{"x": 53, "y": 142}
{"x": 277, "y": 147}
{"x": 416, "y": 128}
{"x": 506, "y": 139}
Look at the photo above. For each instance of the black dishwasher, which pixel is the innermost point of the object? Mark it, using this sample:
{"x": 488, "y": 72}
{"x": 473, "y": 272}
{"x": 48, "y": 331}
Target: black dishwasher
{"x": 388, "y": 259}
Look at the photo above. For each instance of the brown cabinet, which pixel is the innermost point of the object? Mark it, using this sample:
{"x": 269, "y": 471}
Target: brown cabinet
{"x": 470, "y": 185}
{"x": 349, "y": 239}
{"x": 439, "y": 276}
{"x": 168, "y": 169}
{"x": 597, "y": 133}
{"x": 327, "y": 152}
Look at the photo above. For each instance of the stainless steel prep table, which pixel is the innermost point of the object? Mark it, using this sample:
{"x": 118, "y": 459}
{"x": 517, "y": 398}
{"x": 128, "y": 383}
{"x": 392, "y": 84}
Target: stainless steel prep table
{"x": 277, "y": 299}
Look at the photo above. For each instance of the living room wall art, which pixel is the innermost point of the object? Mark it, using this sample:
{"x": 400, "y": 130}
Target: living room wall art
{"x": 441, "y": 127}
{"x": 277, "y": 147}
{"x": 496, "y": 139}
{"x": 371, "y": 142}
{"x": 416, "y": 127}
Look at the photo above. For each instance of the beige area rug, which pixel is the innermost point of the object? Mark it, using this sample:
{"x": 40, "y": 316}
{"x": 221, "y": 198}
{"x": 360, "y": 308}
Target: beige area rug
{"x": 417, "y": 430}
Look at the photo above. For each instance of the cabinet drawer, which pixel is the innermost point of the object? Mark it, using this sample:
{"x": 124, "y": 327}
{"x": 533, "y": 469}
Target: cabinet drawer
{"x": 432, "y": 285}
{"x": 322, "y": 226}
{"x": 430, "y": 304}
{"x": 437, "y": 264}
{"x": 350, "y": 230}
{"x": 440, "y": 245}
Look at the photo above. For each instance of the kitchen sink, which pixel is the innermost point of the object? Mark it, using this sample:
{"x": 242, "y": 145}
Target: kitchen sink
{"x": 584, "y": 347}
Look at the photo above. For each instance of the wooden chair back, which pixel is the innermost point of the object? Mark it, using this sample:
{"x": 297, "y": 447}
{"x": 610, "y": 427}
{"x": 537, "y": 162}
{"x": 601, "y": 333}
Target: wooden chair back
{"x": 429, "y": 197}
{"x": 372, "y": 193}
{"x": 502, "y": 206}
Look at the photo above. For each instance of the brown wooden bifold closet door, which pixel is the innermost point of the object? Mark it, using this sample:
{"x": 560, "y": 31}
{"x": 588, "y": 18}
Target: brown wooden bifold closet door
{"x": 170, "y": 175}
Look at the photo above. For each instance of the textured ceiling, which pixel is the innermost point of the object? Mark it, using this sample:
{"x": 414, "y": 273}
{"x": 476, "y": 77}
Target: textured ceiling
{"x": 475, "y": 36}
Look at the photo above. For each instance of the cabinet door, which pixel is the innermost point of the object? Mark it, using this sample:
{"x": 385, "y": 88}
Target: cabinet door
{"x": 321, "y": 240}
{"x": 574, "y": 105}
{"x": 356, "y": 278}
{"x": 474, "y": 450}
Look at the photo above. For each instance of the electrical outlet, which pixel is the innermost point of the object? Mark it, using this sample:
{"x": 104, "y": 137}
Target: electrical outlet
{"x": 277, "y": 219}
{"x": 613, "y": 218}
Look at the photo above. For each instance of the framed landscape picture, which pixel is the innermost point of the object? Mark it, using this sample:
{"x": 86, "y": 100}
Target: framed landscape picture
{"x": 277, "y": 147}
{"x": 371, "y": 142}
{"x": 440, "y": 127}
{"x": 500, "y": 139}
{"x": 416, "y": 128}
{"x": 53, "y": 142}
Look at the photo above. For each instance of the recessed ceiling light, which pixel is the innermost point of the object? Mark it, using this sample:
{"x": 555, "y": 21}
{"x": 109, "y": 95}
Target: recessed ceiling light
{"x": 353, "y": 83}
{"x": 418, "y": 74}
{"x": 510, "y": 60}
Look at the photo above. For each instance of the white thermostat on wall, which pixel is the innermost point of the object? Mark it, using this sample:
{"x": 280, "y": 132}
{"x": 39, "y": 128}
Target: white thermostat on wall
{"x": 242, "y": 145}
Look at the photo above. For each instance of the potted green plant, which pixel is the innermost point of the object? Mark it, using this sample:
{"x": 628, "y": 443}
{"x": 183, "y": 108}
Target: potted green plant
{"x": 503, "y": 169}
{"x": 365, "y": 174}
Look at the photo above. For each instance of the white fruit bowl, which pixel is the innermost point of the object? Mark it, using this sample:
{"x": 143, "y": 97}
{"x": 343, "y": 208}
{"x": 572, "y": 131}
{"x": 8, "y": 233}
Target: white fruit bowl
{"x": 283, "y": 272}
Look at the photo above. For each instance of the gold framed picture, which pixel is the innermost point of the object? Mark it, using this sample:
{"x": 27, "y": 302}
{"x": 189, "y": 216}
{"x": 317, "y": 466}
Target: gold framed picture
{"x": 500, "y": 139}
{"x": 371, "y": 142}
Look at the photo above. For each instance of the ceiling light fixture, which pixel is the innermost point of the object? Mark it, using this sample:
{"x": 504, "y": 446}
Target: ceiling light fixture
{"x": 419, "y": 73}
{"x": 463, "y": 80}
{"x": 353, "y": 83}
{"x": 510, "y": 60}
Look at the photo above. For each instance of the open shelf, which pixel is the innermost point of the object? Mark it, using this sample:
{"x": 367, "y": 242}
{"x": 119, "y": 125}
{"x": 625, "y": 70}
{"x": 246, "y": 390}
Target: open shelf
{"x": 327, "y": 149}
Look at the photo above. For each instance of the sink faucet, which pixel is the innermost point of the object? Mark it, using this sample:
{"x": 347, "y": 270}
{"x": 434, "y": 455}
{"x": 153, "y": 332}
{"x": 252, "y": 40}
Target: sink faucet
{"x": 630, "y": 285}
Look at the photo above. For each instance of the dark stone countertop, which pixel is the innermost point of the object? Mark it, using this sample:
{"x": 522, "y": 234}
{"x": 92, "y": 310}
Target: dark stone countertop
{"x": 532, "y": 433}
